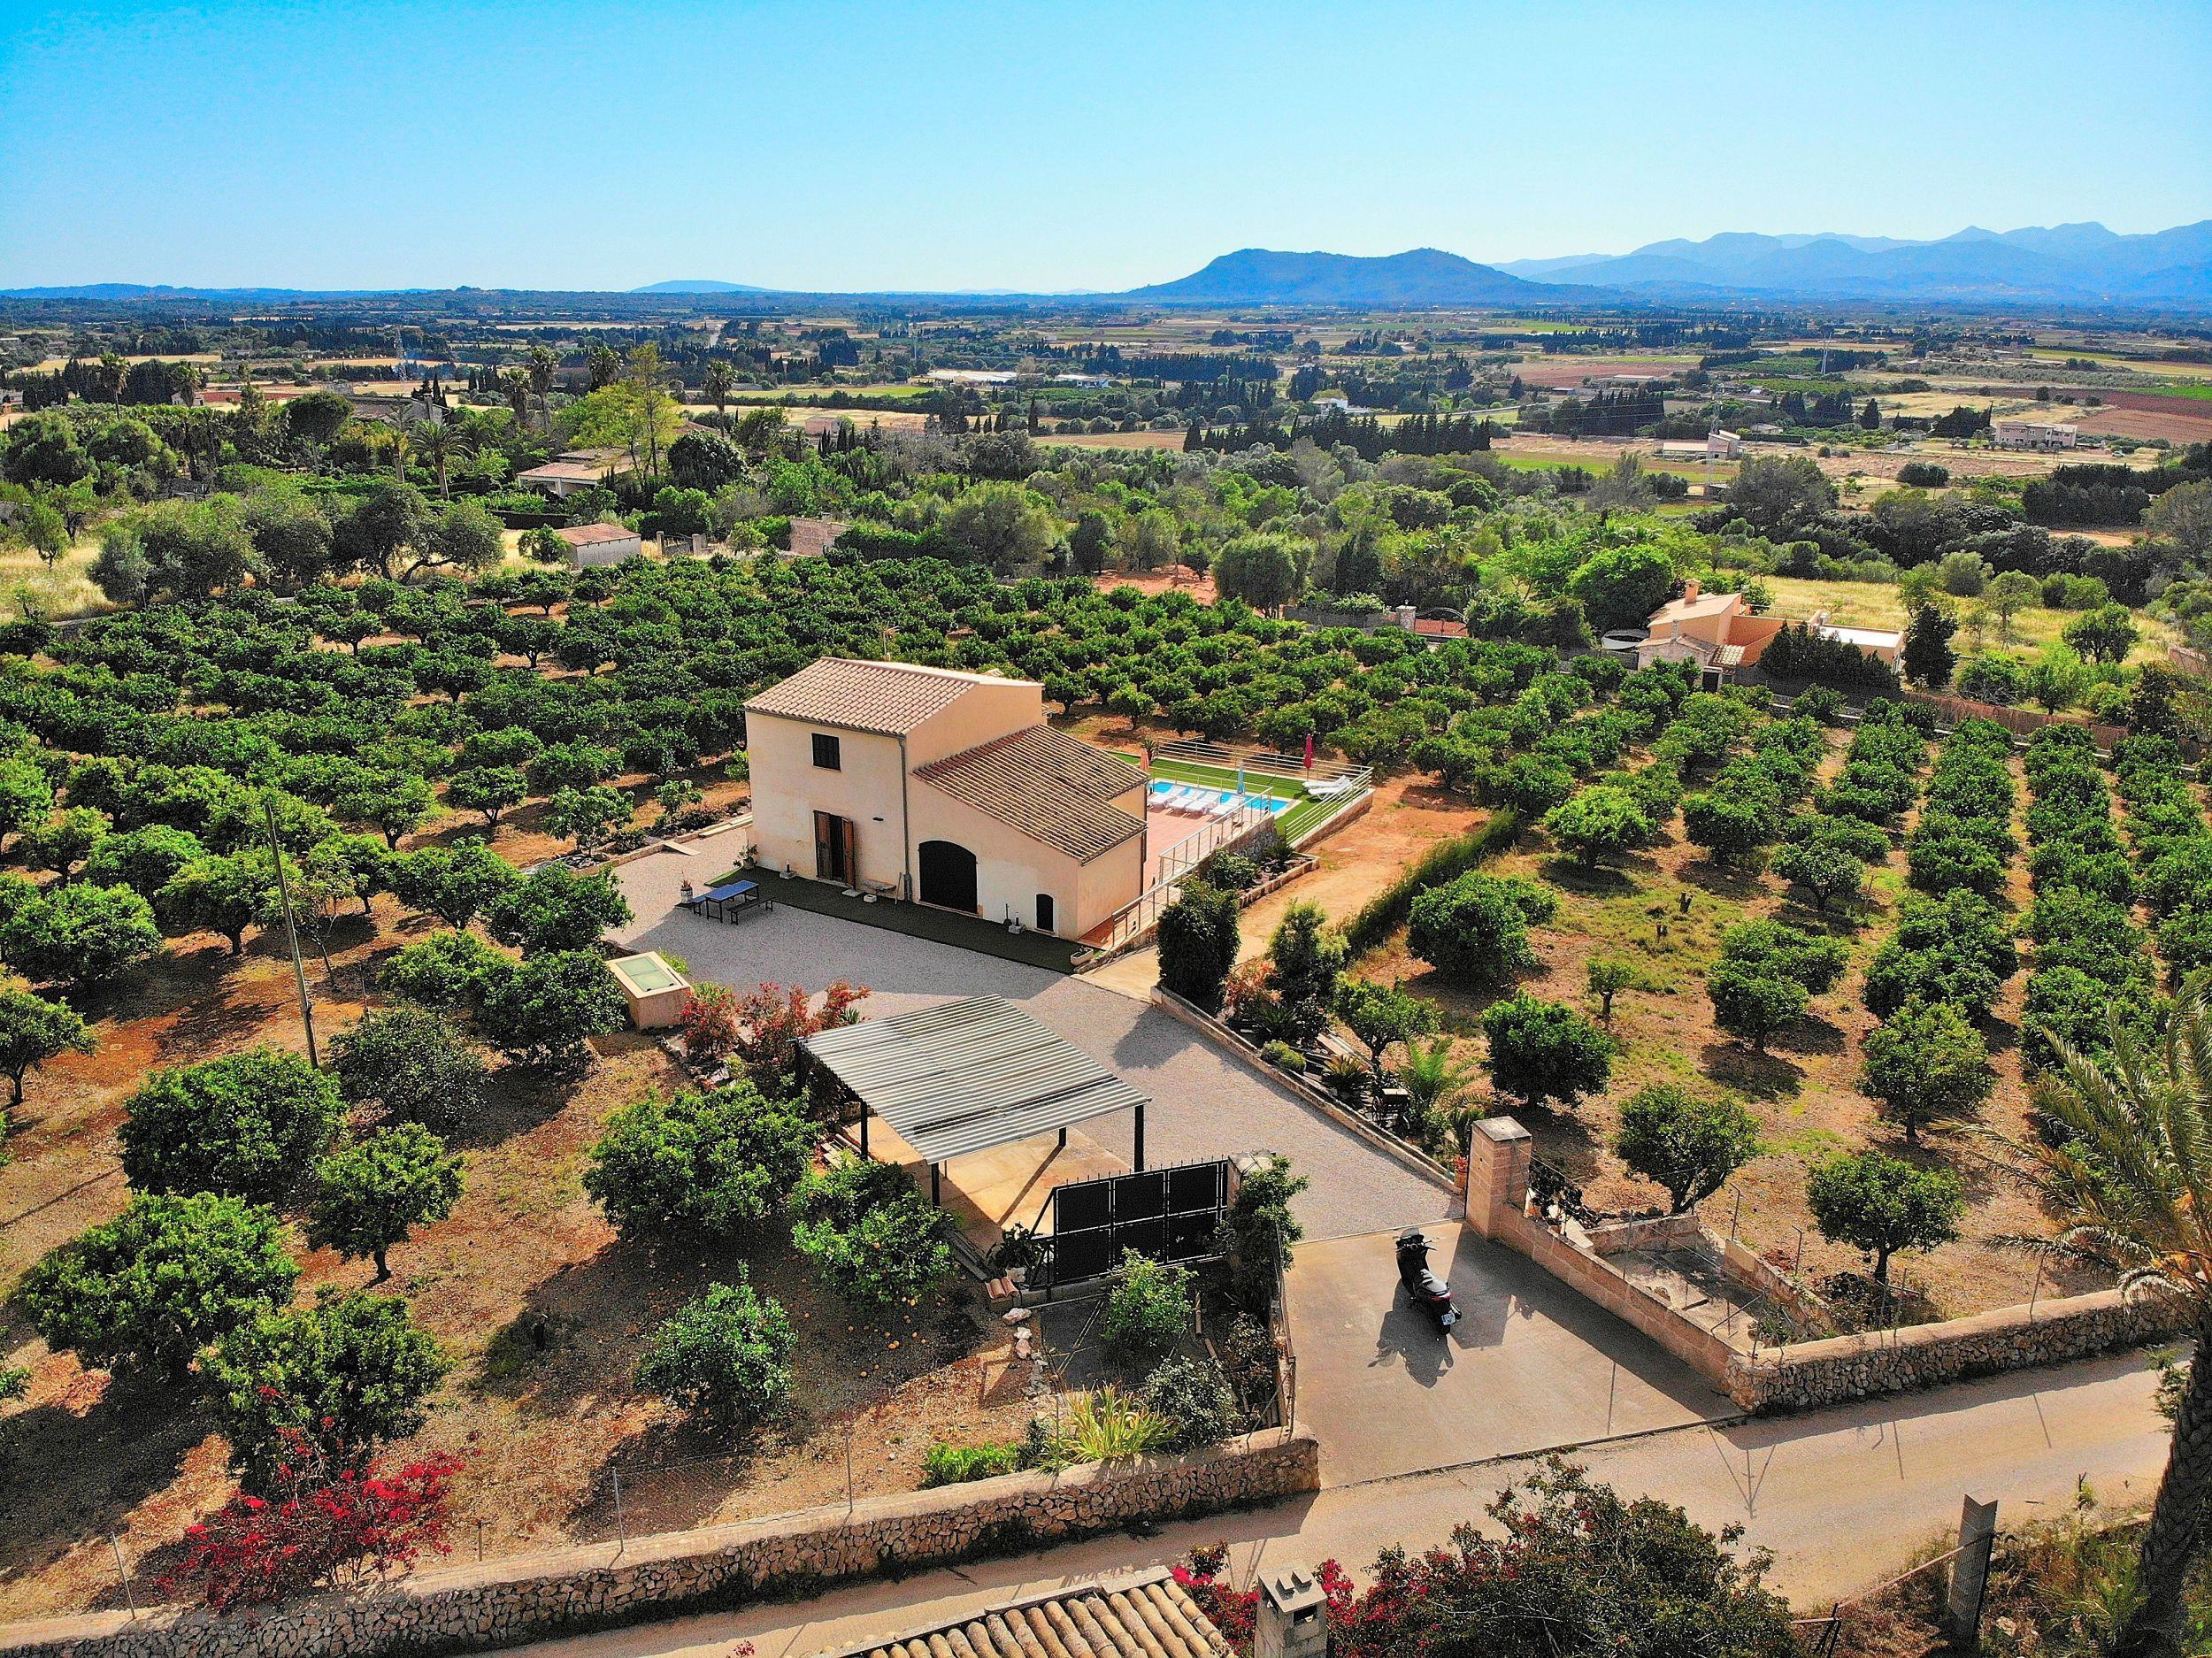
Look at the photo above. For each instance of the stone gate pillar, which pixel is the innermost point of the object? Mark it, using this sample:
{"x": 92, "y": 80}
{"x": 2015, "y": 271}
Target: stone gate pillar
{"x": 1498, "y": 1154}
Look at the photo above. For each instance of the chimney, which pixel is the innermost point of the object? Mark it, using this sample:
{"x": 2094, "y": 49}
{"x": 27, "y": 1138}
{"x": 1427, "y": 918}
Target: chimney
{"x": 1405, "y": 617}
{"x": 1291, "y": 1620}
{"x": 1689, "y": 590}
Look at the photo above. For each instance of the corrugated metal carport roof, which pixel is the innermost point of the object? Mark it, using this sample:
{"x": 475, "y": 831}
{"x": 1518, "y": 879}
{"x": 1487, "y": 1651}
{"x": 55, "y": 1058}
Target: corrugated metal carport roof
{"x": 969, "y": 1075}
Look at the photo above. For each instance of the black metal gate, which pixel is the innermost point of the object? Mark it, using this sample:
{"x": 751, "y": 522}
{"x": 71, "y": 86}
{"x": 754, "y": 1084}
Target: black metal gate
{"x": 1167, "y": 1213}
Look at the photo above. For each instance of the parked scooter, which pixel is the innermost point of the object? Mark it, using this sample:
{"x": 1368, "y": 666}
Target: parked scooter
{"x": 1428, "y": 1292}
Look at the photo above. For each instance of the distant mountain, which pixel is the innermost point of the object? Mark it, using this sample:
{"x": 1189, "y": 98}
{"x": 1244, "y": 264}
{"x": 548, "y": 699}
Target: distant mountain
{"x": 1424, "y": 276}
{"x": 2081, "y": 262}
{"x": 140, "y": 291}
{"x": 699, "y": 285}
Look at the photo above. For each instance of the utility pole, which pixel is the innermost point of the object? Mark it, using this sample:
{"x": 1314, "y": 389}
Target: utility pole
{"x": 291, "y": 931}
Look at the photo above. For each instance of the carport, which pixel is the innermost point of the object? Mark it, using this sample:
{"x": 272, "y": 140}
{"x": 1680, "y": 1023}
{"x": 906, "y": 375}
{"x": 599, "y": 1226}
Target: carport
{"x": 970, "y": 1075}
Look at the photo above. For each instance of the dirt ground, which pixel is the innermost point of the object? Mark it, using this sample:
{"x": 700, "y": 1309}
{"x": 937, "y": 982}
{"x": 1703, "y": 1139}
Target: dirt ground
{"x": 1803, "y": 1090}
{"x": 541, "y": 1310}
{"x": 1114, "y": 439}
{"x": 1354, "y": 862}
{"x": 1177, "y": 579}
{"x": 2145, "y": 423}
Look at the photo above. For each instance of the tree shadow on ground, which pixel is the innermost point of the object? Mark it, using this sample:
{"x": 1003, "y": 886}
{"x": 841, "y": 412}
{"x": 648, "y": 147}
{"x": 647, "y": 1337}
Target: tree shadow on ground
{"x": 1813, "y": 1034}
{"x": 1732, "y": 882}
{"x": 1600, "y": 880}
{"x": 1562, "y": 1138}
{"x": 72, "y": 1475}
{"x": 1764, "y": 1076}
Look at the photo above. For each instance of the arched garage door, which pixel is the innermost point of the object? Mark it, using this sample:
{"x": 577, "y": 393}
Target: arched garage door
{"x": 948, "y": 875}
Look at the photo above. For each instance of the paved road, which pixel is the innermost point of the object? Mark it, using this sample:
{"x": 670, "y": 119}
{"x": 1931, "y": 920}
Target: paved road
{"x": 1842, "y": 1496}
{"x": 1205, "y": 1104}
{"x": 1531, "y": 1364}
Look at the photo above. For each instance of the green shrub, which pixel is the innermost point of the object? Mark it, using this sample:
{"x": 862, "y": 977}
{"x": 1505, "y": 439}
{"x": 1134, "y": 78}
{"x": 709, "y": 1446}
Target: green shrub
{"x": 719, "y": 1164}
{"x": 248, "y": 1125}
{"x": 957, "y": 1464}
{"x": 349, "y": 1373}
{"x": 871, "y": 1236}
{"x": 1193, "y": 1395}
{"x": 725, "y": 1355}
{"x": 1106, "y": 1425}
{"x": 1385, "y": 912}
{"x": 1475, "y": 927}
{"x": 1544, "y": 1051}
{"x": 1149, "y": 1309}
{"x": 152, "y": 1286}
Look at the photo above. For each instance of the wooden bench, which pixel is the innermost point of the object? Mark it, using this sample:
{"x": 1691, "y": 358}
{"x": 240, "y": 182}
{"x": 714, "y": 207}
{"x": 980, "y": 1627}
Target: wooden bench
{"x": 879, "y": 889}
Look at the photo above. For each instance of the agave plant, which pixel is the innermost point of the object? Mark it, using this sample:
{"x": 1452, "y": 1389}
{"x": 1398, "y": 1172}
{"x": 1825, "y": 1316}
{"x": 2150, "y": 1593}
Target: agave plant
{"x": 1108, "y": 1423}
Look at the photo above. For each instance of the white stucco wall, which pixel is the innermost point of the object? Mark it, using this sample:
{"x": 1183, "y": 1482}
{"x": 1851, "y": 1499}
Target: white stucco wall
{"x": 788, "y": 788}
{"x": 1010, "y": 869}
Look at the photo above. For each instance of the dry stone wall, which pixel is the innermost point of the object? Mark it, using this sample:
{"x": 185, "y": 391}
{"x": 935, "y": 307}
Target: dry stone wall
{"x": 1809, "y": 1374}
{"x": 502, "y": 1603}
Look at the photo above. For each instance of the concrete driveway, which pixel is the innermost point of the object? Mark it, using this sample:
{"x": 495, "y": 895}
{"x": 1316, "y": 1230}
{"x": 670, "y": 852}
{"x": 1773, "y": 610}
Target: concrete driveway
{"x": 1529, "y": 1366}
{"x": 1204, "y": 1103}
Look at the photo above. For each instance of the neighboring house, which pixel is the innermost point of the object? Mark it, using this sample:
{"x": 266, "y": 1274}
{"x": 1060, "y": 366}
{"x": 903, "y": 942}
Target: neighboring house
{"x": 2034, "y": 434}
{"x": 1718, "y": 631}
{"x": 811, "y": 537}
{"x": 1435, "y": 629}
{"x": 1715, "y": 446}
{"x": 944, "y": 788}
{"x": 1145, "y": 1613}
{"x": 599, "y": 544}
{"x": 571, "y": 472}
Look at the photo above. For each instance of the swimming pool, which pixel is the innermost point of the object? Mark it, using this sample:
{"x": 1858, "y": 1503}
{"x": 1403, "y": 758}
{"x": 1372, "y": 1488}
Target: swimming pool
{"x": 1191, "y": 797}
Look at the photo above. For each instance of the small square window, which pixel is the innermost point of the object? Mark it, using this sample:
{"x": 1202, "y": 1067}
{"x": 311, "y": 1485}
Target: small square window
{"x": 827, "y": 754}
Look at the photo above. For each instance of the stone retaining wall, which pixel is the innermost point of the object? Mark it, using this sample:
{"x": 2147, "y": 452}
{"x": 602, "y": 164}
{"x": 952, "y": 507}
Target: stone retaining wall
{"x": 503, "y": 1603}
{"x": 1809, "y": 1374}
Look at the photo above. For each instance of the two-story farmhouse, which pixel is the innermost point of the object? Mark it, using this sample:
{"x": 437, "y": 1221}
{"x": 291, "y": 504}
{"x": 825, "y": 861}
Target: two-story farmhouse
{"x": 945, "y": 787}
{"x": 1720, "y": 633}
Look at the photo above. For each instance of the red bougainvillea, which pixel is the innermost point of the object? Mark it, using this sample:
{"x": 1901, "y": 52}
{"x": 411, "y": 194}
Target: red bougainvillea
{"x": 323, "y": 1526}
{"x": 773, "y": 1019}
{"x": 1232, "y": 1611}
{"x": 708, "y": 1022}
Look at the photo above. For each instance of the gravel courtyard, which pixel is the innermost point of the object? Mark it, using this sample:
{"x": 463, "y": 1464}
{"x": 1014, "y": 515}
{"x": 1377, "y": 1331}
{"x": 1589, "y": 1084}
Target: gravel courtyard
{"x": 1205, "y": 1104}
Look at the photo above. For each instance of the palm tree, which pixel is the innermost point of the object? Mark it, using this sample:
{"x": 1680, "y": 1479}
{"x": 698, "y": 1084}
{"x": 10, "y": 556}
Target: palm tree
{"x": 2132, "y": 1179}
{"x": 403, "y": 442}
{"x": 1436, "y": 1082}
{"x": 716, "y": 384}
{"x": 439, "y": 442}
{"x": 516, "y": 385}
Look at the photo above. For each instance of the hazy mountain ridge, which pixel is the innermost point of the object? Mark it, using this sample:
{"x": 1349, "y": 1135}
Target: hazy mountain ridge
{"x": 2082, "y": 261}
{"x": 1420, "y": 276}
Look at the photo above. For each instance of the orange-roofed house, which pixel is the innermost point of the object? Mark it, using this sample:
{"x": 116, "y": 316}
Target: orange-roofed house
{"x": 944, "y": 788}
{"x": 1719, "y": 633}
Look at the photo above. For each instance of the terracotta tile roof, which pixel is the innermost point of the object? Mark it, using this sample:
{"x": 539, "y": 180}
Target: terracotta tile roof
{"x": 589, "y": 534}
{"x": 1147, "y": 1616}
{"x": 889, "y": 698}
{"x": 1049, "y": 786}
{"x": 565, "y": 472}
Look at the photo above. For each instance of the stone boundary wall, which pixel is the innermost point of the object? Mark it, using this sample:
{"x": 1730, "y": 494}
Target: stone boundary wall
{"x": 532, "y": 1597}
{"x": 1222, "y": 1037}
{"x": 1807, "y": 1374}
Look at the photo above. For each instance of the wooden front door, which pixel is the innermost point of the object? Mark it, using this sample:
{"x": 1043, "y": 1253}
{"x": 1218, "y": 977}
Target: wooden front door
{"x": 836, "y": 856}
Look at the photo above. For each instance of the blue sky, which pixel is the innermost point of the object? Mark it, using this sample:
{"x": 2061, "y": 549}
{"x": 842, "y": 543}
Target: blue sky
{"x": 1051, "y": 145}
